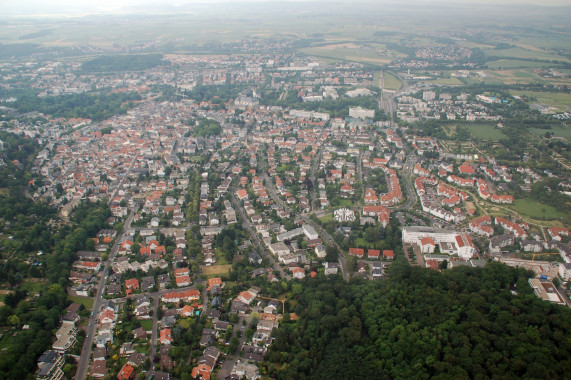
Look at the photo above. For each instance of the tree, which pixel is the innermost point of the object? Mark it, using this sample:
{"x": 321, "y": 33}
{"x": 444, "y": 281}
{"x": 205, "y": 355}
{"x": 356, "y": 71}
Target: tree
{"x": 13, "y": 320}
{"x": 331, "y": 253}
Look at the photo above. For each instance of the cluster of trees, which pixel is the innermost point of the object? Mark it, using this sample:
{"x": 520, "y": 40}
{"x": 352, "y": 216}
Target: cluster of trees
{"x": 94, "y": 106}
{"x": 207, "y": 128}
{"x": 133, "y": 62}
{"x": 463, "y": 323}
{"x": 43, "y": 313}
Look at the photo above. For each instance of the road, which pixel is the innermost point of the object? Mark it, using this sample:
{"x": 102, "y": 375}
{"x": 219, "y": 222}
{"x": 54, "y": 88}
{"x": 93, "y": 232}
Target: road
{"x": 98, "y": 302}
{"x": 324, "y": 234}
{"x": 246, "y": 224}
{"x": 313, "y": 176}
{"x": 228, "y": 364}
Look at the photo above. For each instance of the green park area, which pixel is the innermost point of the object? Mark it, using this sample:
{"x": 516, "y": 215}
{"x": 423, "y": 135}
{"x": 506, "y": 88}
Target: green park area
{"x": 485, "y": 131}
{"x": 539, "y": 211}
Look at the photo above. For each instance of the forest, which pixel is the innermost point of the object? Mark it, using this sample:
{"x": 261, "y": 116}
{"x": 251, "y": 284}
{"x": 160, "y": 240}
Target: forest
{"x": 465, "y": 323}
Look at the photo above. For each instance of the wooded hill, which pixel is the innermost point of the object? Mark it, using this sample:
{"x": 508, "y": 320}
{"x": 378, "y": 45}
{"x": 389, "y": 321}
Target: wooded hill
{"x": 466, "y": 323}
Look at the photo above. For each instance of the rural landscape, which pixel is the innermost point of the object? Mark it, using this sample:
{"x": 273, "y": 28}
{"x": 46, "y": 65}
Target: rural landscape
{"x": 285, "y": 190}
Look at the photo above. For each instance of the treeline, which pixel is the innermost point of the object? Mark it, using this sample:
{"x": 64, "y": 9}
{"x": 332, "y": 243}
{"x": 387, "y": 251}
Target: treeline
{"x": 94, "y": 106}
{"x": 465, "y": 323}
{"x": 133, "y": 62}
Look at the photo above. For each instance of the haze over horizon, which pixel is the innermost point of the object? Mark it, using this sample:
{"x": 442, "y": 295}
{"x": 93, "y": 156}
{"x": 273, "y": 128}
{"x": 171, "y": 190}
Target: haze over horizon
{"x": 39, "y": 8}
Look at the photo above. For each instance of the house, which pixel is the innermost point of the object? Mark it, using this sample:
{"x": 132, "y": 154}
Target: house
{"x": 165, "y": 337}
{"x": 132, "y": 284}
{"x": 388, "y": 254}
{"x": 320, "y": 251}
{"x": 359, "y": 252}
{"x": 373, "y": 254}
{"x": 245, "y": 297}
{"x": 245, "y": 370}
{"x": 215, "y": 282}
{"x": 331, "y": 268}
{"x": 98, "y": 368}
{"x": 298, "y": 273}
{"x": 139, "y": 333}
{"x": 126, "y": 372}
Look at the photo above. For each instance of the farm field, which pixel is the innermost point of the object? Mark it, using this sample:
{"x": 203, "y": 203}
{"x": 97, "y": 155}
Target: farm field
{"x": 351, "y": 52}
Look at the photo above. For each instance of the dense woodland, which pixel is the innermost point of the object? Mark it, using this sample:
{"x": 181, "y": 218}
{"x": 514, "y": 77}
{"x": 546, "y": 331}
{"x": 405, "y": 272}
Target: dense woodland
{"x": 464, "y": 323}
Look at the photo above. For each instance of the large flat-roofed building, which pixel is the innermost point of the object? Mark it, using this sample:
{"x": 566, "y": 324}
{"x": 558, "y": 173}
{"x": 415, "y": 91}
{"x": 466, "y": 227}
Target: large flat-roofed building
{"x": 546, "y": 291}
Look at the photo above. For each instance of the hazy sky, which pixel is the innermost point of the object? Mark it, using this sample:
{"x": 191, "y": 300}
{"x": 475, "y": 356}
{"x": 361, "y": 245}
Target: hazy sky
{"x": 70, "y": 7}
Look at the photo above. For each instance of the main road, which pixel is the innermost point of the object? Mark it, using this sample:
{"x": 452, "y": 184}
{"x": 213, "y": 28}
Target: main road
{"x": 326, "y": 236}
{"x": 98, "y": 302}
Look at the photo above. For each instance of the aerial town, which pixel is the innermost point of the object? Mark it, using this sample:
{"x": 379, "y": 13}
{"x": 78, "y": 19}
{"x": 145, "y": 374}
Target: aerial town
{"x": 232, "y": 180}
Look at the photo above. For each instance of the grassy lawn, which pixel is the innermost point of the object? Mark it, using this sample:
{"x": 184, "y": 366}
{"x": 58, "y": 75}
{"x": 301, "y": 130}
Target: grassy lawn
{"x": 362, "y": 243}
{"x": 87, "y": 302}
{"x": 536, "y": 210}
{"x": 217, "y": 270}
{"x": 327, "y": 218}
{"x": 147, "y": 324}
{"x": 485, "y": 131}
{"x": 220, "y": 259}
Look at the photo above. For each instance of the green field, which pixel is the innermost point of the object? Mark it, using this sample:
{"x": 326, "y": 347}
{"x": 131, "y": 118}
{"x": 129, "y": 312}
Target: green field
{"x": 514, "y": 64}
{"x": 389, "y": 80}
{"x": 518, "y": 52}
{"x": 87, "y": 302}
{"x": 327, "y": 218}
{"x": 351, "y": 51}
{"x": 557, "y": 99}
{"x": 447, "y": 81}
{"x": 217, "y": 270}
{"x": 536, "y": 210}
{"x": 485, "y": 131}
{"x": 558, "y": 131}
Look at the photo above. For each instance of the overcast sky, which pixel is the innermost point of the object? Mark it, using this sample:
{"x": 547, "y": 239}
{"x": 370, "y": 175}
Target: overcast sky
{"x": 77, "y": 7}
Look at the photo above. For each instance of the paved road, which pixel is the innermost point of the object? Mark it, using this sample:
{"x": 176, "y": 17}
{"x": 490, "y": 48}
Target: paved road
{"x": 98, "y": 302}
{"x": 324, "y": 234}
{"x": 246, "y": 224}
{"x": 228, "y": 364}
